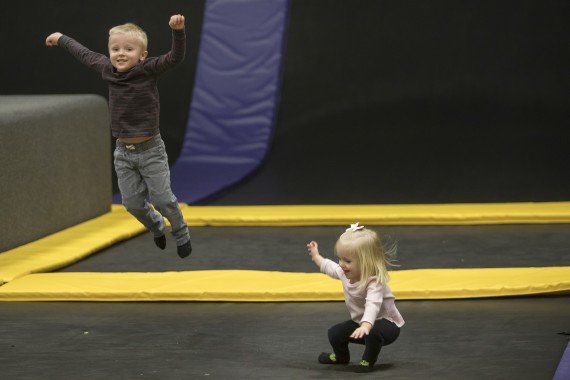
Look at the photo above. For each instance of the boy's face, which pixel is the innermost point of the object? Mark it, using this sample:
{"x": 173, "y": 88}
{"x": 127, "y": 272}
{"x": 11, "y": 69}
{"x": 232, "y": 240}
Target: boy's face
{"x": 125, "y": 51}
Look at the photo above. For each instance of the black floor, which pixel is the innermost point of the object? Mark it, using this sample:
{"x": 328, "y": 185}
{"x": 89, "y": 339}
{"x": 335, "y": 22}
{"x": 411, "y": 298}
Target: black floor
{"x": 474, "y": 339}
{"x": 283, "y": 249}
{"x": 508, "y": 338}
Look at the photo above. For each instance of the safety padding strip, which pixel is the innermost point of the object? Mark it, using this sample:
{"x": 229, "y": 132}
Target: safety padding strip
{"x": 413, "y": 214}
{"x": 75, "y": 243}
{"x": 267, "y": 286}
{"x": 70, "y": 245}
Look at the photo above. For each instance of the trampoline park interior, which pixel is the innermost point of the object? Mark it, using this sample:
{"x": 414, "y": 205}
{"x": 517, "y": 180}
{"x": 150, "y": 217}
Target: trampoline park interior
{"x": 443, "y": 125}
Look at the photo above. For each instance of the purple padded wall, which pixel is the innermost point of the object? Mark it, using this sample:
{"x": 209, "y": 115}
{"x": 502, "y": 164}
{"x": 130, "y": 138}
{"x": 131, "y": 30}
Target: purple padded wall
{"x": 235, "y": 97}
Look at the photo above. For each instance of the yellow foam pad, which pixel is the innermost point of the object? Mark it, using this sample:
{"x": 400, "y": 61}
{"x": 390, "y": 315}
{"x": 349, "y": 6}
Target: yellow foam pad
{"x": 68, "y": 246}
{"x": 265, "y": 286}
{"x": 75, "y": 243}
{"x": 327, "y": 215}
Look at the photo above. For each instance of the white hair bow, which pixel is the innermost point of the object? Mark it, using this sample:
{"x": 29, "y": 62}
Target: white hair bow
{"x": 354, "y": 227}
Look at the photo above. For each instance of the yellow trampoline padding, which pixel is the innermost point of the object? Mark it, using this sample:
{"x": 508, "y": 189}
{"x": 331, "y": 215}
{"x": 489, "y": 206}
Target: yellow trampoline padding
{"x": 68, "y": 246}
{"x": 75, "y": 243}
{"x": 267, "y": 286}
{"x": 413, "y": 214}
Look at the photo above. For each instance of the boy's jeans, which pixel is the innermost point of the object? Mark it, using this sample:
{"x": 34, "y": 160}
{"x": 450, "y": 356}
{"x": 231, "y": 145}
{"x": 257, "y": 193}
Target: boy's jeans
{"x": 144, "y": 176}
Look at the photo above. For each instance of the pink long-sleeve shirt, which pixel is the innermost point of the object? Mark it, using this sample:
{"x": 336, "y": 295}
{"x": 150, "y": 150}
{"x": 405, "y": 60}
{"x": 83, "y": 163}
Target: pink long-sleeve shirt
{"x": 368, "y": 304}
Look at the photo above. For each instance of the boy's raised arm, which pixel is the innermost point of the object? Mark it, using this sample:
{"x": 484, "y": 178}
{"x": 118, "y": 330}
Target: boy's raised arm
{"x": 177, "y": 51}
{"x": 176, "y": 22}
{"x": 87, "y": 57}
{"x": 53, "y": 39}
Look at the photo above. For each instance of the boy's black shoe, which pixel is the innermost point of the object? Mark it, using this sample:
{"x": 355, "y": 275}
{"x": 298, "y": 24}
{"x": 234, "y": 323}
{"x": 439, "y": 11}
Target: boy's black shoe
{"x": 330, "y": 358}
{"x": 160, "y": 241}
{"x": 185, "y": 249}
{"x": 364, "y": 367}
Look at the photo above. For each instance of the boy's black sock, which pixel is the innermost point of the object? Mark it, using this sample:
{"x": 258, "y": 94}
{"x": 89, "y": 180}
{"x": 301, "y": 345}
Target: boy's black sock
{"x": 160, "y": 241}
{"x": 185, "y": 249}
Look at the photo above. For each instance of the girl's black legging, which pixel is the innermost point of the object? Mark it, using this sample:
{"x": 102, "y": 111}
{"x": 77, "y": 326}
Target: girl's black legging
{"x": 383, "y": 333}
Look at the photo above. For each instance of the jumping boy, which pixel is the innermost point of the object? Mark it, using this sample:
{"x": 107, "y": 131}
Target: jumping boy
{"x": 140, "y": 157}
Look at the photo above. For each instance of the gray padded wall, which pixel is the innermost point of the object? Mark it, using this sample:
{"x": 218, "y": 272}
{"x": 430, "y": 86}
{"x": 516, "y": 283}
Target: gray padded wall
{"x": 55, "y": 164}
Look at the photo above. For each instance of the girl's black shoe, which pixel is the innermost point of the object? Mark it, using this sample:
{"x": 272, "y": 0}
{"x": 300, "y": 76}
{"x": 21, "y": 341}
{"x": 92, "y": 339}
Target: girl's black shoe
{"x": 330, "y": 358}
{"x": 364, "y": 367}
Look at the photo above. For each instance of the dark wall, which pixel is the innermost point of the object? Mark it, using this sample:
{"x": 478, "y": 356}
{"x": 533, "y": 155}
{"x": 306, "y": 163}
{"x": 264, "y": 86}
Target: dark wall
{"x": 29, "y": 67}
{"x": 420, "y": 102}
{"x": 382, "y": 101}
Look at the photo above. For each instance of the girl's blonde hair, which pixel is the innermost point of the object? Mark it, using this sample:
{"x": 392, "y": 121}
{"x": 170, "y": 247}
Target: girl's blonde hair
{"x": 132, "y": 29}
{"x": 372, "y": 257}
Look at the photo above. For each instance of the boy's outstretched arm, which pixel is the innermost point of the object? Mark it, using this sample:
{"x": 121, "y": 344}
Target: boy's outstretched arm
{"x": 89, "y": 58}
{"x": 313, "y": 249}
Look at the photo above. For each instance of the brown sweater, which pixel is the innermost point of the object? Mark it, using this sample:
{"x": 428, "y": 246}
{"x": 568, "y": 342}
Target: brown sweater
{"x": 134, "y": 103}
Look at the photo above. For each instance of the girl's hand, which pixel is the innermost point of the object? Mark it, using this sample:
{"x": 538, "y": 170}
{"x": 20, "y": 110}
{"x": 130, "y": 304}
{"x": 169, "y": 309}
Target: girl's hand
{"x": 52, "y": 39}
{"x": 362, "y": 331}
{"x": 313, "y": 248}
{"x": 176, "y": 22}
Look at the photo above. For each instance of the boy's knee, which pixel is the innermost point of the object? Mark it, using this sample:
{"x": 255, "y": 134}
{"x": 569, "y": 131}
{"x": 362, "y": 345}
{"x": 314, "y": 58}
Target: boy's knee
{"x": 134, "y": 203}
{"x": 164, "y": 201}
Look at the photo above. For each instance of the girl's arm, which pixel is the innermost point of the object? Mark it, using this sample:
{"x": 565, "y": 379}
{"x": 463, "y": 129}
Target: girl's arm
{"x": 326, "y": 266}
{"x": 313, "y": 249}
{"x": 362, "y": 331}
{"x": 374, "y": 299}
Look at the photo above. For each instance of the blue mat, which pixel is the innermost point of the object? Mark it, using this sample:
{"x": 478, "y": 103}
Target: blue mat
{"x": 235, "y": 98}
{"x": 563, "y": 370}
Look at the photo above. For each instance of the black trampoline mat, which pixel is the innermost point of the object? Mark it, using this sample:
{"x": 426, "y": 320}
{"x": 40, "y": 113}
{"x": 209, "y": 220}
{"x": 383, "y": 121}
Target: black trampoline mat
{"x": 506, "y": 338}
{"x": 284, "y": 248}
{"x": 512, "y": 338}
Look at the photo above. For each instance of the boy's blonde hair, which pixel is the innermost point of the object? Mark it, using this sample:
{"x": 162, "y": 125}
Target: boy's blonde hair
{"x": 373, "y": 258}
{"x": 132, "y": 29}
